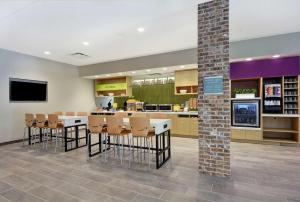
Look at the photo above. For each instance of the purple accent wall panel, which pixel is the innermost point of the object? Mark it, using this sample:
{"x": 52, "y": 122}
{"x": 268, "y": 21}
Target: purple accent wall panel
{"x": 289, "y": 66}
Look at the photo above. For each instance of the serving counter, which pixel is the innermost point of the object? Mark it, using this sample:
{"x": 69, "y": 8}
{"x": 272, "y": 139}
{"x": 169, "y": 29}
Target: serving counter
{"x": 184, "y": 124}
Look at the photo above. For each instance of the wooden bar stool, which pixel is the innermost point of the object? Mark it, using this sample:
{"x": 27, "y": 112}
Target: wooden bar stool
{"x": 140, "y": 129}
{"x": 96, "y": 127}
{"x": 59, "y": 113}
{"x": 41, "y": 124}
{"x": 82, "y": 113}
{"x": 55, "y": 127}
{"x": 70, "y": 113}
{"x": 116, "y": 130}
{"x": 29, "y": 124}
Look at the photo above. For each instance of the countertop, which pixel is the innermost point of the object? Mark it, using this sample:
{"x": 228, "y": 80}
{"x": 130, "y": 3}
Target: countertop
{"x": 179, "y": 113}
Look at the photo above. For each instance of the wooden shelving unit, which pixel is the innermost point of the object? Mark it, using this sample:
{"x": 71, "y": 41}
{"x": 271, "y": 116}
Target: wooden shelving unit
{"x": 117, "y": 86}
{"x": 186, "y": 80}
{"x": 290, "y": 86}
{"x": 279, "y": 129}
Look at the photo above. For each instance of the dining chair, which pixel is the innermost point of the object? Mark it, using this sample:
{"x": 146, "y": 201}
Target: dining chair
{"x": 56, "y": 128}
{"x": 29, "y": 124}
{"x": 82, "y": 114}
{"x": 42, "y": 126}
{"x": 70, "y": 113}
{"x": 140, "y": 129}
{"x": 96, "y": 126}
{"x": 116, "y": 130}
{"x": 58, "y": 113}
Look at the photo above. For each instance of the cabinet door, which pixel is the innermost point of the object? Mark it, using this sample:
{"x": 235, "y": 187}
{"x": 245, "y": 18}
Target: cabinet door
{"x": 238, "y": 134}
{"x": 253, "y": 134}
{"x": 183, "y": 126}
{"x": 186, "y": 78}
{"x": 194, "y": 126}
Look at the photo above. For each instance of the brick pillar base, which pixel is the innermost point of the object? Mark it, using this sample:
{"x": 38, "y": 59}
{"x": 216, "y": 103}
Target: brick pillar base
{"x": 214, "y": 110}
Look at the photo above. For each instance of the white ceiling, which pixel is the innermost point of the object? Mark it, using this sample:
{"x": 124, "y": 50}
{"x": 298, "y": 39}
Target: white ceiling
{"x": 110, "y": 26}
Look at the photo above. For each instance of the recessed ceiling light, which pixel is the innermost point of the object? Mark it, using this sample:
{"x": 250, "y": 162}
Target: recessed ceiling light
{"x": 276, "y": 56}
{"x": 141, "y": 29}
{"x": 107, "y": 75}
{"x": 249, "y": 59}
{"x": 182, "y": 66}
{"x": 148, "y": 70}
{"x": 133, "y": 72}
{"x": 86, "y": 43}
{"x": 165, "y": 68}
{"x": 47, "y": 52}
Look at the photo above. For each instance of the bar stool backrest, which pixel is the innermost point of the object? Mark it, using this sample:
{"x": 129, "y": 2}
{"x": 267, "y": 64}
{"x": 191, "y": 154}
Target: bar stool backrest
{"x": 158, "y": 116}
{"x": 52, "y": 121}
{"x": 114, "y": 125}
{"x": 139, "y": 126}
{"x": 58, "y": 113}
{"x": 96, "y": 123}
{"x": 40, "y": 120}
{"x": 140, "y": 114}
{"x": 121, "y": 114}
{"x": 29, "y": 118}
{"x": 82, "y": 113}
{"x": 70, "y": 113}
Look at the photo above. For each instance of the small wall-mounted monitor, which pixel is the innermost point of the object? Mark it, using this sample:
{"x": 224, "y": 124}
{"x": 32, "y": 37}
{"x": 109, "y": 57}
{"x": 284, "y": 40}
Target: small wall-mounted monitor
{"x": 22, "y": 90}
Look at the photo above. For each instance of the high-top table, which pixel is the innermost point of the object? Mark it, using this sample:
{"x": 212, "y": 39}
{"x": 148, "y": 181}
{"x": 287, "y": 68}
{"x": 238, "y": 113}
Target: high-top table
{"x": 70, "y": 124}
{"x": 162, "y": 146}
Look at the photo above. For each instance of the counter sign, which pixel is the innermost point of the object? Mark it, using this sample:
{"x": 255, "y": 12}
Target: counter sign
{"x": 213, "y": 85}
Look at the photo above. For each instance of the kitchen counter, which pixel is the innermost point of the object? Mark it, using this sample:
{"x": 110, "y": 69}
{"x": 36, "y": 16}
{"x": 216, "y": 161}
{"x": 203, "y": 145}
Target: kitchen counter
{"x": 184, "y": 124}
{"x": 175, "y": 113}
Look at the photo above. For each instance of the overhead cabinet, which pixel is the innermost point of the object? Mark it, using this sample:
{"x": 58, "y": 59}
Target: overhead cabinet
{"x": 186, "y": 82}
{"x": 118, "y": 86}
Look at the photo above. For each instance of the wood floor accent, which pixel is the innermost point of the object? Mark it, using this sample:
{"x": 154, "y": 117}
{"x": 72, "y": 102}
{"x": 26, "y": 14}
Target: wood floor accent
{"x": 259, "y": 173}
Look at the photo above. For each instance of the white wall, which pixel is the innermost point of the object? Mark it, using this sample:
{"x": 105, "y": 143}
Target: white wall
{"x": 66, "y": 90}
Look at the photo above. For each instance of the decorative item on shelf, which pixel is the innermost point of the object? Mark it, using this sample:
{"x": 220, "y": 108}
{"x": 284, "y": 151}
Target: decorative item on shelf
{"x": 183, "y": 91}
{"x": 245, "y": 92}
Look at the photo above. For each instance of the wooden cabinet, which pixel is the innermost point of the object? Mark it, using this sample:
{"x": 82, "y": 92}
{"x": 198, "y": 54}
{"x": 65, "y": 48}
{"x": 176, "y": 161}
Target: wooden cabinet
{"x": 246, "y": 134}
{"x": 118, "y": 86}
{"x": 194, "y": 126}
{"x": 238, "y": 134}
{"x": 186, "y": 80}
{"x": 184, "y": 125}
{"x": 253, "y": 134}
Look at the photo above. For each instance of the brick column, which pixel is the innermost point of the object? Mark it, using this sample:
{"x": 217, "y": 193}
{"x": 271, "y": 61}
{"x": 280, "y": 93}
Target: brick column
{"x": 214, "y": 109}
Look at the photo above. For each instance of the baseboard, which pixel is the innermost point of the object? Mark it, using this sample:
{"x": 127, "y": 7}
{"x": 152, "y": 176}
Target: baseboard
{"x": 10, "y": 142}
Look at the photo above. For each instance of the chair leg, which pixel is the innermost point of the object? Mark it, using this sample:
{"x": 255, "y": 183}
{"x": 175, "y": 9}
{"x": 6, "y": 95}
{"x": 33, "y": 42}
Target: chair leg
{"x": 105, "y": 146}
{"x": 148, "y": 145}
{"x": 129, "y": 143}
{"x": 88, "y": 147}
{"x": 24, "y": 136}
{"x": 56, "y": 141}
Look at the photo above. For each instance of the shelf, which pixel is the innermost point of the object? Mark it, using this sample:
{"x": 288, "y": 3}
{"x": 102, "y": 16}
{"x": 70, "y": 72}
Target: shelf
{"x": 279, "y": 140}
{"x": 282, "y": 115}
{"x": 290, "y": 95}
{"x": 290, "y": 82}
{"x": 244, "y": 128}
{"x": 280, "y": 130}
{"x": 290, "y": 88}
{"x": 255, "y": 98}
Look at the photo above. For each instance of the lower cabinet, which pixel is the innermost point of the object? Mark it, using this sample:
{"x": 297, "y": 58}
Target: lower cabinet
{"x": 244, "y": 134}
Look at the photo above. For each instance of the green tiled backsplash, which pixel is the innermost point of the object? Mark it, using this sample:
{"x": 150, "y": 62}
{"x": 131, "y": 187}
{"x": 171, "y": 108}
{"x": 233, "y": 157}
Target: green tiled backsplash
{"x": 155, "y": 94}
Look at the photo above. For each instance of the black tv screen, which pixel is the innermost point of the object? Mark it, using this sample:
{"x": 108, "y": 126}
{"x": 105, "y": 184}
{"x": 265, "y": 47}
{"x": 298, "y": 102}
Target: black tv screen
{"x": 21, "y": 90}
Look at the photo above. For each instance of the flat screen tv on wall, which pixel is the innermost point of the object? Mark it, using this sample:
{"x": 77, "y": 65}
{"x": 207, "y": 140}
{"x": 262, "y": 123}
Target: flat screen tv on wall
{"x": 22, "y": 90}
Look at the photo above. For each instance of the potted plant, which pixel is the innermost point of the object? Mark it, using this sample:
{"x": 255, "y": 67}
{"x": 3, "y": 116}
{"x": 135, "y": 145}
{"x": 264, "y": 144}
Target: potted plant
{"x": 245, "y": 92}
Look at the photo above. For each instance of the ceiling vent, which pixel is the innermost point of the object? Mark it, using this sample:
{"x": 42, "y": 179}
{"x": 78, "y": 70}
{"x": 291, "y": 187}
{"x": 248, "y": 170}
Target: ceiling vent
{"x": 79, "y": 55}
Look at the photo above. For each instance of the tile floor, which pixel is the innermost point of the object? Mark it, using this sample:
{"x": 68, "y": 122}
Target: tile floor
{"x": 259, "y": 173}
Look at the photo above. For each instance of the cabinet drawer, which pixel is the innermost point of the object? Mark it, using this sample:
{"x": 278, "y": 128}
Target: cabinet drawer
{"x": 253, "y": 135}
{"x": 238, "y": 134}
